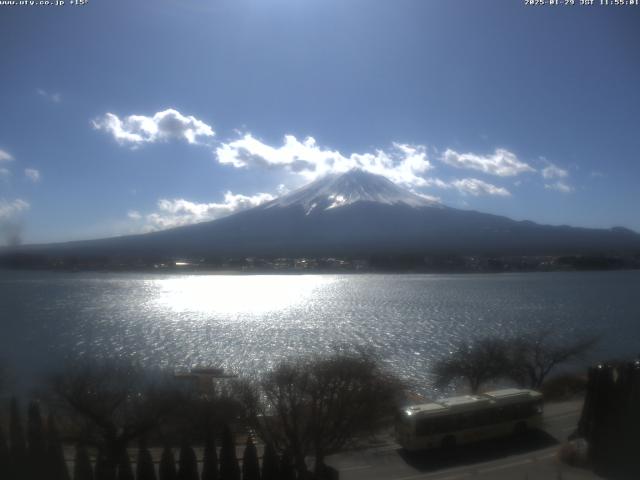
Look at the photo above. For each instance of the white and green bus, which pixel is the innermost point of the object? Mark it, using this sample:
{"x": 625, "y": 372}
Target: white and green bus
{"x": 468, "y": 418}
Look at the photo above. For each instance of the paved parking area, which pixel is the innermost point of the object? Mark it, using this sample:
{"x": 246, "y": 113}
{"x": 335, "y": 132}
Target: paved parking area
{"x": 533, "y": 457}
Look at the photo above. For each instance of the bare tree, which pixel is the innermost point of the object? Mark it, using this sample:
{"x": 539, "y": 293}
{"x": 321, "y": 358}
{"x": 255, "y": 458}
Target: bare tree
{"x": 534, "y": 356}
{"x": 317, "y": 406}
{"x": 475, "y": 363}
{"x": 116, "y": 403}
{"x": 527, "y": 359}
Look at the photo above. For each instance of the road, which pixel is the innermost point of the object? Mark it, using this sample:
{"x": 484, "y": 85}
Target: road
{"x": 532, "y": 458}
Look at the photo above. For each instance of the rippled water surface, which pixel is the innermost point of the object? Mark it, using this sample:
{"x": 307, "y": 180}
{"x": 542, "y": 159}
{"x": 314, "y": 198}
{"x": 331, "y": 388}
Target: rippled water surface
{"x": 247, "y": 323}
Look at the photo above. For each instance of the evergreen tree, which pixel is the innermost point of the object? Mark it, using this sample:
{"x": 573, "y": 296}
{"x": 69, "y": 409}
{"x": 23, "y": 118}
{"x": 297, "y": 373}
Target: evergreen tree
{"x": 104, "y": 468}
{"x": 187, "y": 463}
{"x": 37, "y": 446}
{"x": 250, "y": 465}
{"x": 56, "y": 466}
{"x": 167, "y": 465}
{"x": 144, "y": 468}
{"x": 270, "y": 463}
{"x": 286, "y": 468}
{"x": 4, "y": 456}
{"x": 229, "y": 469}
{"x": 82, "y": 465}
{"x": 18, "y": 449}
{"x": 125, "y": 471}
{"x": 210, "y": 460}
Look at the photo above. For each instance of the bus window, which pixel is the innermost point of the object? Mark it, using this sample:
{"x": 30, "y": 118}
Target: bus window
{"x": 425, "y": 426}
{"x": 431, "y": 426}
{"x": 486, "y": 417}
{"x": 445, "y": 424}
{"x": 465, "y": 421}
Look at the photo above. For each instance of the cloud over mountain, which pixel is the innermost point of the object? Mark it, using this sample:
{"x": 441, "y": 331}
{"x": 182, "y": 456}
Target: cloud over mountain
{"x": 502, "y": 163}
{"x": 475, "y": 187}
{"x": 403, "y": 163}
{"x": 177, "y": 212}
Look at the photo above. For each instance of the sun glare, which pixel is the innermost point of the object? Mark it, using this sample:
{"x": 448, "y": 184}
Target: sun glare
{"x": 236, "y": 294}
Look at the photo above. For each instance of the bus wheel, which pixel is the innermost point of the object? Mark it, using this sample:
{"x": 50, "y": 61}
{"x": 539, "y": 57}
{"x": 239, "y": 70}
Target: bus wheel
{"x": 449, "y": 443}
{"x": 520, "y": 429}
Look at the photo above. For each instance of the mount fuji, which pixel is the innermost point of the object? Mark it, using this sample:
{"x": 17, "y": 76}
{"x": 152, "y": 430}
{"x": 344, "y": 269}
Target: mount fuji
{"x": 340, "y": 190}
{"x": 356, "y": 213}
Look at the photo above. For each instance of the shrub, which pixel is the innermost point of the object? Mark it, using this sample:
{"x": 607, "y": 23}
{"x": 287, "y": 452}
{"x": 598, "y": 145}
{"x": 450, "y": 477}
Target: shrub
{"x": 18, "y": 448}
{"x": 167, "y": 469}
{"x": 125, "y": 472}
{"x": 82, "y": 465}
{"x": 229, "y": 469}
{"x": 56, "y": 466}
{"x": 270, "y": 470}
{"x": 144, "y": 467}
{"x": 250, "y": 465}
{"x": 563, "y": 387}
{"x": 37, "y": 447}
{"x": 187, "y": 464}
{"x": 210, "y": 460}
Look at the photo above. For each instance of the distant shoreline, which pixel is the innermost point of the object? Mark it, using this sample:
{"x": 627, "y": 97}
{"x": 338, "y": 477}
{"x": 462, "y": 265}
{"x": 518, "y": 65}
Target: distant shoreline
{"x": 294, "y": 272}
{"x": 397, "y": 263}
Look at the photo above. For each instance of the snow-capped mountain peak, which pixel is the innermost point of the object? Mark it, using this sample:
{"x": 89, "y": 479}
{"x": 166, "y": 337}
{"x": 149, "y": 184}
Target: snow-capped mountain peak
{"x": 356, "y": 185}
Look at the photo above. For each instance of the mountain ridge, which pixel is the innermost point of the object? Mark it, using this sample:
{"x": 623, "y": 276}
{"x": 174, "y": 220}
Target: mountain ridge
{"x": 355, "y": 213}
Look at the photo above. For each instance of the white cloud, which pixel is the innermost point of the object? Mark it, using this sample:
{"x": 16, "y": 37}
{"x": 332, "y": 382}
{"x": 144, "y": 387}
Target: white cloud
{"x": 559, "y": 186}
{"x": 4, "y": 173}
{"x": 50, "y": 96}
{"x": 32, "y": 174}
{"x": 430, "y": 198}
{"x": 5, "y": 156}
{"x": 553, "y": 171}
{"x": 557, "y": 178}
{"x": 436, "y": 182}
{"x": 168, "y": 124}
{"x": 178, "y": 212}
{"x": 9, "y": 209}
{"x": 404, "y": 164}
{"x": 502, "y": 163}
{"x": 475, "y": 187}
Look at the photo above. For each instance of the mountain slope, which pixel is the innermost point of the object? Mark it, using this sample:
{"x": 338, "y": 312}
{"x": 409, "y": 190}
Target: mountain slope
{"x": 339, "y": 190}
{"x": 358, "y": 213}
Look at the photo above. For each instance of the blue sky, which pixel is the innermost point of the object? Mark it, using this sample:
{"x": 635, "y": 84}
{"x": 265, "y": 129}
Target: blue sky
{"x": 120, "y": 117}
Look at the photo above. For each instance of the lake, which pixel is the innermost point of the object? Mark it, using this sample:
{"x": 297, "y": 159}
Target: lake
{"x": 246, "y": 323}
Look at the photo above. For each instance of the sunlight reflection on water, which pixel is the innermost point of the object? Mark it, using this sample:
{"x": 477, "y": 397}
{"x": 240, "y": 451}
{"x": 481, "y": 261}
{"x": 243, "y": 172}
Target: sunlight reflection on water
{"x": 235, "y": 294}
{"x": 248, "y": 323}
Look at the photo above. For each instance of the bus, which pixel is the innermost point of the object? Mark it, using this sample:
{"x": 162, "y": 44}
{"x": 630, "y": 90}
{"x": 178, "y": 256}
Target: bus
{"x": 468, "y": 418}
